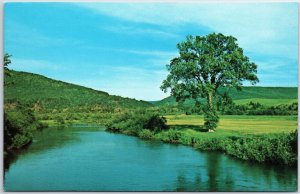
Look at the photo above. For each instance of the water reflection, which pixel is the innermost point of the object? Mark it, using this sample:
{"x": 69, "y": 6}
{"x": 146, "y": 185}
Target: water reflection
{"x": 197, "y": 182}
{"x": 213, "y": 168}
{"x": 223, "y": 173}
{"x": 184, "y": 184}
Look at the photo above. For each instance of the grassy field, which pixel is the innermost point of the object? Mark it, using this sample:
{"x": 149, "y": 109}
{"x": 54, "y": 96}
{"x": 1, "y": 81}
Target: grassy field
{"x": 235, "y": 124}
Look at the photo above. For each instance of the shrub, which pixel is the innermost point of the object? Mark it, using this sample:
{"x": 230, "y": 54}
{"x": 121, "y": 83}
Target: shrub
{"x": 277, "y": 149}
{"x": 211, "y": 119}
{"x": 207, "y": 144}
{"x": 133, "y": 122}
{"x": 145, "y": 134}
{"x": 253, "y": 108}
{"x": 19, "y": 127}
{"x": 156, "y": 123}
{"x": 171, "y": 136}
{"x": 59, "y": 121}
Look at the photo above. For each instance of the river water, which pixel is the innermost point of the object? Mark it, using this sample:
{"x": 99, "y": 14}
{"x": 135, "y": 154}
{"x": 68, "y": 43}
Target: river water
{"x": 86, "y": 159}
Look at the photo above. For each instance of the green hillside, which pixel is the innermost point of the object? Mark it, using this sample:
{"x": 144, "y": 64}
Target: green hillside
{"x": 264, "y": 95}
{"x": 45, "y": 95}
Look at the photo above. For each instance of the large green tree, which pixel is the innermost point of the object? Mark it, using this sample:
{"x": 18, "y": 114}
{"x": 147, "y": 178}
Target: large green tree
{"x": 205, "y": 64}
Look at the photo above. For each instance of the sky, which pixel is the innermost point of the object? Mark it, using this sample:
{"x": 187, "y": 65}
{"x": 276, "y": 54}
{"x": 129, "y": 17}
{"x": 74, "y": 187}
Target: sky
{"x": 123, "y": 48}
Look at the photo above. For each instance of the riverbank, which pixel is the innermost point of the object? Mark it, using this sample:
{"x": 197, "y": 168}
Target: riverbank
{"x": 276, "y": 148}
{"x": 259, "y": 143}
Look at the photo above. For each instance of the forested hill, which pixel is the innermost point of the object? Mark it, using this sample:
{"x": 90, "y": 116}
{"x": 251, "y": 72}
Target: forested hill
{"x": 264, "y": 95}
{"x": 45, "y": 94}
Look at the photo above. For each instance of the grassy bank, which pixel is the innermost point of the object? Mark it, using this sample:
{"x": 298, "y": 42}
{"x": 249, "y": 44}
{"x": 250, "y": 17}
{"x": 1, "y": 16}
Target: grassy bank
{"x": 264, "y": 139}
{"x": 280, "y": 148}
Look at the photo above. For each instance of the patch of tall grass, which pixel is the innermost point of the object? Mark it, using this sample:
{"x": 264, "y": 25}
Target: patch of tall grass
{"x": 275, "y": 148}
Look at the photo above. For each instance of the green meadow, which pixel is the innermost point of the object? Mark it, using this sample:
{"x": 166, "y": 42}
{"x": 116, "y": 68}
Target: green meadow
{"x": 236, "y": 124}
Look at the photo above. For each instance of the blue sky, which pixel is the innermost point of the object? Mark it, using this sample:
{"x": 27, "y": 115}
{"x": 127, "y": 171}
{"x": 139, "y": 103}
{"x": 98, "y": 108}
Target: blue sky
{"x": 122, "y": 48}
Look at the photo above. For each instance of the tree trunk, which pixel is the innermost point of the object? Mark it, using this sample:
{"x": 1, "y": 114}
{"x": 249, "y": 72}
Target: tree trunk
{"x": 210, "y": 106}
{"x": 210, "y": 100}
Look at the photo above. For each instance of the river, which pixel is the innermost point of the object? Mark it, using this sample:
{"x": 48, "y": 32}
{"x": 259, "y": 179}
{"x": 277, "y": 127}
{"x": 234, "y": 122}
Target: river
{"x": 88, "y": 159}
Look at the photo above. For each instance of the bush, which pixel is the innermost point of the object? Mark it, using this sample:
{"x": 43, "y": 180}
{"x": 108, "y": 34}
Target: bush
{"x": 207, "y": 144}
{"x": 211, "y": 119}
{"x": 171, "y": 136}
{"x": 253, "y": 108}
{"x": 156, "y": 123}
{"x": 145, "y": 134}
{"x": 19, "y": 127}
{"x": 133, "y": 122}
{"x": 277, "y": 149}
{"x": 59, "y": 121}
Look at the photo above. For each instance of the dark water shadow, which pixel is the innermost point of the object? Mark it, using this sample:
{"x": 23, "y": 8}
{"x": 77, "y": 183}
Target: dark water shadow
{"x": 213, "y": 171}
{"x": 182, "y": 184}
{"x": 11, "y": 156}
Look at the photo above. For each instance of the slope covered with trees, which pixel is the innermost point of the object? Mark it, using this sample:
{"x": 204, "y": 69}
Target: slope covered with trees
{"x": 48, "y": 95}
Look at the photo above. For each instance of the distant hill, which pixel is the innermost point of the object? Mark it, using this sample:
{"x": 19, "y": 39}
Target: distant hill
{"x": 263, "y": 95}
{"x": 45, "y": 94}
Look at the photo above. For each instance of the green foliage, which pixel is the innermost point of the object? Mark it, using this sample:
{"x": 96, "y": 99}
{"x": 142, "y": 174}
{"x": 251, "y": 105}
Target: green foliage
{"x": 19, "y": 121}
{"x": 6, "y": 61}
{"x": 211, "y": 118}
{"x": 249, "y": 107}
{"x": 46, "y": 95}
{"x": 207, "y": 144}
{"x": 156, "y": 123}
{"x": 276, "y": 148}
{"x": 132, "y": 122}
{"x": 205, "y": 64}
{"x": 253, "y": 108}
{"x": 171, "y": 136}
{"x": 19, "y": 127}
{"x": 59, "y": 121}
{"x": 145, "y": 134}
